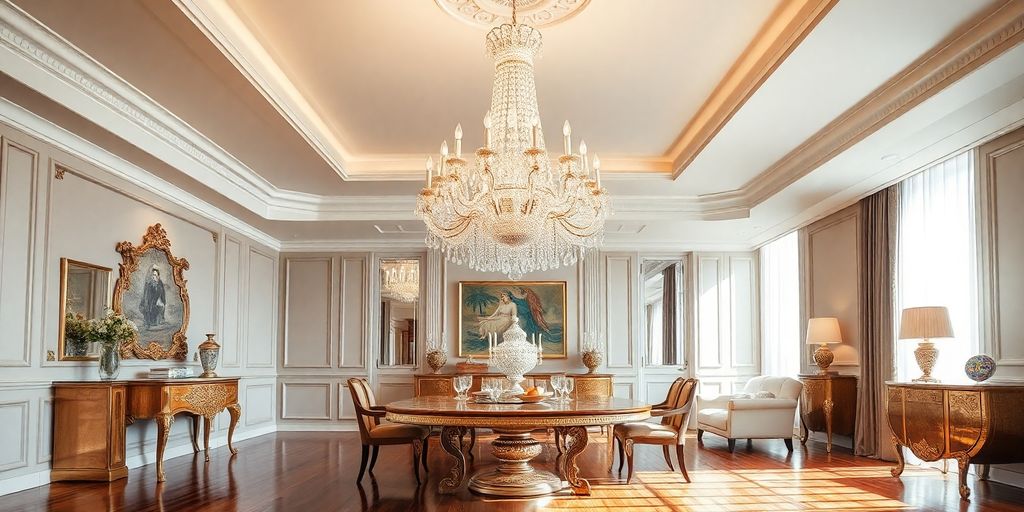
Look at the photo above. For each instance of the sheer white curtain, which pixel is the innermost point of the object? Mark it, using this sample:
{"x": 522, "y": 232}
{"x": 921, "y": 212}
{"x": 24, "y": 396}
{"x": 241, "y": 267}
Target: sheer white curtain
{"x": 780, "y": 306}
{"x": 936, "y": 262}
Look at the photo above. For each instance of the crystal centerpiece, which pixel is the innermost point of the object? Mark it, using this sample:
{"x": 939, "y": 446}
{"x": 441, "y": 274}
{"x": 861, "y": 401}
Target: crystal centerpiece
{"x": 515, "y": 356}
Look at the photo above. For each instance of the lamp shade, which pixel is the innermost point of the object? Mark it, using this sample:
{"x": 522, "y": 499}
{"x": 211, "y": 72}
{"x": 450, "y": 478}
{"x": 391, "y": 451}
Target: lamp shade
{"x": 925, "y": 323}
{"x": 823, "y": 330}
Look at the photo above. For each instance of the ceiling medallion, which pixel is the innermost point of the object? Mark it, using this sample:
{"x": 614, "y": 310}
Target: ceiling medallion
{"x": 515, "y": 210}
{"x": 488, "y": 13}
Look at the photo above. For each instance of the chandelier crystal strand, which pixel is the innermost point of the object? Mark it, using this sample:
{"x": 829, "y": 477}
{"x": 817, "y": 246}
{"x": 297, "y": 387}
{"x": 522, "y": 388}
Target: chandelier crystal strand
{"x": 515, "y": 210}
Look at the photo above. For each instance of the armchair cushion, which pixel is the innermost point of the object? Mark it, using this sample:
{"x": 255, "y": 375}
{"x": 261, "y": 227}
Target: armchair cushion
{"x": 762, "y": 403}
{"x": 718, "y": 418}
{"x": 399, "y": 431}
{"x": 644, "y": 430}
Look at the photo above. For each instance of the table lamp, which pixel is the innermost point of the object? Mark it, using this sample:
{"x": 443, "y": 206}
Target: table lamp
{"x": 925, "y": 324}
{"x": 822, "y": 331}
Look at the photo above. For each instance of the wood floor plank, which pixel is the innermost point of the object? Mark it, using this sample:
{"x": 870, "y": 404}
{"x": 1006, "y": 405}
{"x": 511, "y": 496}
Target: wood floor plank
{"x": 314, "y": 471}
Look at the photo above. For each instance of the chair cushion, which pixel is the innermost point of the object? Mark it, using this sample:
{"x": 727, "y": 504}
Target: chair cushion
{"x": 718, "y": 418}
{"x": 399, "y": 431}
{"x": 641, "y": 430}
{"x": 764, "y": 394}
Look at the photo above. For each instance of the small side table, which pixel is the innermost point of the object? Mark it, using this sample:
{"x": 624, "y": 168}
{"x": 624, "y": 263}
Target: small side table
{"x": 828, "y": 403}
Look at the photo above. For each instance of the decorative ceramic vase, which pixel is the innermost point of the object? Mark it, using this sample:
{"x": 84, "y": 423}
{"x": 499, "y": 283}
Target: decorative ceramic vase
{"x": 926, "y": 354}
{"x": 592, "y": 359}
{"x": 515, "y": 356}
{"x": 436, "y": 359}
{"x": 209, "y": 353}
{"x": 980, "y": 367}
{"x": 110, "y": 360}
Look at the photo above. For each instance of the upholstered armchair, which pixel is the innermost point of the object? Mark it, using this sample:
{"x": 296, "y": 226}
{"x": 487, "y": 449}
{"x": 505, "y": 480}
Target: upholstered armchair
{"x": 675, "y": 415}
{"x": 765, "y": 410}
{"x": 375, "y": 434}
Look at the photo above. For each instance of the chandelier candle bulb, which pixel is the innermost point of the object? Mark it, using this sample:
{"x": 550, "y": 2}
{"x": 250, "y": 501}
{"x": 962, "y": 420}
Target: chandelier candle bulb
{"x": 487, "y": 129}
{"x": 567, "y": 134}
{"x": 430, "y": 171}
{"x": 458, "y": 140}
{"x": 536, "y": 133}
{"x": 583, "y": 157}
{"x": 444, "y": 156}
{"x": 597, "y": 170}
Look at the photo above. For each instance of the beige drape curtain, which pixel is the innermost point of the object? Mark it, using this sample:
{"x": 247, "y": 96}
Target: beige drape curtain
{"x": 878, "y": 236}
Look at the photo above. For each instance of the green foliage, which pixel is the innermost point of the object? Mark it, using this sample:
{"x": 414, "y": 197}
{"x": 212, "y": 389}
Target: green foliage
{"x": 479, "y": 299}
{"x": 76, "y": 328}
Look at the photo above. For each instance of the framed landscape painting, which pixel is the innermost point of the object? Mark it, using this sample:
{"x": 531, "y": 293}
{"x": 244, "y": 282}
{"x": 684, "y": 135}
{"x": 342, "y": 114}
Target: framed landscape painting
{"x": 493, "y": 306}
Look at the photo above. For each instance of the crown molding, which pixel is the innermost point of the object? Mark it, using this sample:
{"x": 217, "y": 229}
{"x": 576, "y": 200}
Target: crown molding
{"x": 785, "y": 29}
{"x": 18, "y": 118}
{"x": 50, "y": 64}
{"x": 974, "y": 44}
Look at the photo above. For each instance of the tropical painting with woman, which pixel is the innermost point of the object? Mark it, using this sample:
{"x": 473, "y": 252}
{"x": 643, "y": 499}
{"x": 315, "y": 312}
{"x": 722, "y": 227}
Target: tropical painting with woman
{"x": 493, "y": 306}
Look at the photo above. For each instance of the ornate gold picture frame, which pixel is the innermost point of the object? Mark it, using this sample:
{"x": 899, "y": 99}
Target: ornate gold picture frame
{"x": 489, "y": 306}
{"x": 143, "y": 294}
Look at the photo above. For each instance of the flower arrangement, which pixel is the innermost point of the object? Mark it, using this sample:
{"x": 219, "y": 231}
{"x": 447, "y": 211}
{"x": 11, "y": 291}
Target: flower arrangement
{"x": 111, "y": 329}
{"x": 76, "y": 328}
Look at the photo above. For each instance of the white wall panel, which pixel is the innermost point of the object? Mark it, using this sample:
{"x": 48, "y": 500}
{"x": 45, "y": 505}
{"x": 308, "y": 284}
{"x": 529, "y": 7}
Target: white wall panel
{"x": 831, "y": 270}
{"x": 353, "y": 313}
{"x": 709, "y": 300}
{"x": 44, "y": 450}
{"x": 743, "y": 312}
{"x": 619, "y": 314}
{"x": 14, "y": 418}
{"x": 305, "y": 401}
{"x": 230, "y": 335}
{"x": 17, "y": 215}
{"x": 259, "y": 404}
{"x": 261, "y": 311}
{"x": 308, "y": 306}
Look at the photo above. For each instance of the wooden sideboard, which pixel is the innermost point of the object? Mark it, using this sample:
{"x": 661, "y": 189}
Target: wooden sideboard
{"x": 586, "y": 384}
{"x": 90, "y": 419}
{"x": 972, "y": 423}
{"x": 828, "y": 403}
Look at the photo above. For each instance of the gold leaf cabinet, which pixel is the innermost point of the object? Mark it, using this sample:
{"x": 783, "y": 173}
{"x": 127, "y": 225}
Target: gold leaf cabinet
{"x": 973, "y": 423}
{"x": 828, "y": 403}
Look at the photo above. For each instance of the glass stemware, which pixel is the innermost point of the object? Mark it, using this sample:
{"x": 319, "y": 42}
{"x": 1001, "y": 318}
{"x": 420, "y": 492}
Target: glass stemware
{"x": 462, "y": 384}
{"x": 568, "y": 384}
{"x": 558, "y": 385}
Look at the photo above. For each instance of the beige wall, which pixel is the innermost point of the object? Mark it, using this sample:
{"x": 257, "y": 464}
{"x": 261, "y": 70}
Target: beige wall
{"x": 82, "y": 216}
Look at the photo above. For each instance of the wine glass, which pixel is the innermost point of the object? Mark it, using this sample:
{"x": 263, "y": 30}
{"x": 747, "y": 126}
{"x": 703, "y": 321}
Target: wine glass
{"x": 493, "y": 388}
{"x": 557, "y": 383}
{"x": 461, "y": 385}
{"x": 567, "y": 386}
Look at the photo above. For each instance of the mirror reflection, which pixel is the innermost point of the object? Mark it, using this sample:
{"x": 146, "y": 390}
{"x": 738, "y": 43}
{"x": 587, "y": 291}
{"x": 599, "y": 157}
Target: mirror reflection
{"x": 663, "y": 312}
{"x": 399, "y": 304}
{"x": 84, "y": 295}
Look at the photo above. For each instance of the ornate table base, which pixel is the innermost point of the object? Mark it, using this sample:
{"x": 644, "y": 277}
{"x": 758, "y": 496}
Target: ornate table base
{"x": 514, "y": 477}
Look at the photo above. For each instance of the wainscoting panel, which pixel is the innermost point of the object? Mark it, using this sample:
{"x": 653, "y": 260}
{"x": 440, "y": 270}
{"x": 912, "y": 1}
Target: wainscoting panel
{"x": 308, "y": 306}
{"x": 623, "y": 390}
{"x": 44, "y": 450}
{"x": 832, "y": 285}
{"x": 305, "y": 401}
{"x": 14, "y": 417}
{"x": 259, "y": 404}
{"x": 709, "y": 300}
{"x": 743, "y": 313}
{"x": 17, "y": 218}
{"x": 346, "y": 409}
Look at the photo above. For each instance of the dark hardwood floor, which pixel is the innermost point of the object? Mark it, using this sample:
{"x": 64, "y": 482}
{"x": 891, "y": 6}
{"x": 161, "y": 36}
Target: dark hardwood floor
{"x": 314, "y": 471}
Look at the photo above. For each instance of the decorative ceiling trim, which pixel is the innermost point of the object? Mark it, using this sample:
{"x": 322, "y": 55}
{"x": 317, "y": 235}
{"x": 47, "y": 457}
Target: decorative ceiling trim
{"x": 485, "y": 14}
{"x": 32, "y": 124}
{"x": 974, "y": 44}
{"x": 406, "y": 244}
{"x": 50, "y": 64}
{"x": 778, "y": 37}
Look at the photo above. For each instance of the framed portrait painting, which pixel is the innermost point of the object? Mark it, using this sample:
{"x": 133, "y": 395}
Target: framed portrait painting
{"x": 493, "y": 306}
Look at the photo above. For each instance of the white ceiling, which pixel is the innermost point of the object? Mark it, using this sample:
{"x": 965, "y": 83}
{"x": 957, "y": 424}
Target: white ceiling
{"x": 321, "y": 108}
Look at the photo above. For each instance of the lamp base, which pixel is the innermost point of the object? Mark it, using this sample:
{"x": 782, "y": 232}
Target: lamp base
{"x": 823, "y": 357}
{"x": 926, "y": 355}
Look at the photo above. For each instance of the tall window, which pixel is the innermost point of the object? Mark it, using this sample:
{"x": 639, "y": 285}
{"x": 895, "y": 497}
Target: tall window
{"x": 780, "y": 306}
{"x": 936, "y": 261}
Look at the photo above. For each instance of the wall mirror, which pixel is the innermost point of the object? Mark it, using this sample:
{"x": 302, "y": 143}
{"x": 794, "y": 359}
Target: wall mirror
{"x": 150, "y": 291}
{"x": 663, "y": 312}
{"x": 399, "y": 310}
{"x": 84, "y": 295}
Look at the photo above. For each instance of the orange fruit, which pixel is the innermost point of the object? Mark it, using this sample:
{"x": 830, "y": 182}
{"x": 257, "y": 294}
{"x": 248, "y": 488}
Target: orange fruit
{"x": 532, "y": 392}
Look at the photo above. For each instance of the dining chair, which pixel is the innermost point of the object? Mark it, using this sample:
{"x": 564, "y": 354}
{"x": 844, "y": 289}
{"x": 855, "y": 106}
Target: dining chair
{"x": 375, "y": 434}
{"x": 675, "y": 416}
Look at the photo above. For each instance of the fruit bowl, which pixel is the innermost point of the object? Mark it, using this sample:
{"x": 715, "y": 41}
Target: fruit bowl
{"x": 532, "y": 399}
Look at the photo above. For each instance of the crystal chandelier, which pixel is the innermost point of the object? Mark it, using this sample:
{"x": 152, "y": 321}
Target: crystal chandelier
{"x": 515, "y": 211}
{"x": 400, "y": 280}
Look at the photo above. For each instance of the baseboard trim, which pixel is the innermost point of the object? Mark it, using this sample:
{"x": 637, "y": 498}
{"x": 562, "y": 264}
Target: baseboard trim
{"x": 28, "y": 481}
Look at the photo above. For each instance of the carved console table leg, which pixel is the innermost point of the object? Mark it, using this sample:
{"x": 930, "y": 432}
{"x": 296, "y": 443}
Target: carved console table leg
{"x": 236, "y": 412}
{"x": 207, "y": 427}
{"x": 963, "y": 461}
{"x": 451, "y": 442}
{"x": 195, "y": 433}
{"x": 827, "y": 406}
{"x": 163, "y": 430}
{"x": 575, "y": 441}
{"x": 898, "y": 469}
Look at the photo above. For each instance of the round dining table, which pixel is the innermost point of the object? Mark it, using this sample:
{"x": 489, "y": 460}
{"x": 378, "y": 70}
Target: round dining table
{"x": 515, "y": 445}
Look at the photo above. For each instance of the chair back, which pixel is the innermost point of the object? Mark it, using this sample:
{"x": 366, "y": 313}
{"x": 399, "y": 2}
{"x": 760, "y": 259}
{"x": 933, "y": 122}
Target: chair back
{"x": 362, "y": 398}
{"x": 781, "y": 387}
{"x": 683, "y": 400}
{"x": 673, "y": 392}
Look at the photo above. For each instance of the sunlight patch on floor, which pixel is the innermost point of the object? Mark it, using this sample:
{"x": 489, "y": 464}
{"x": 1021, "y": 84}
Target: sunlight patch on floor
{"x": 821, "y": 489}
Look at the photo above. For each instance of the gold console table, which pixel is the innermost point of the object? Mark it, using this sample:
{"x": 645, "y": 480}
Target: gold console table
{"x": 828, "y": 403}
{"x": 973, "y": 423}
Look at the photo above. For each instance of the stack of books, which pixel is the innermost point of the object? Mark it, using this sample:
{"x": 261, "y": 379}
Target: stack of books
{"x": 177, "y": 372}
